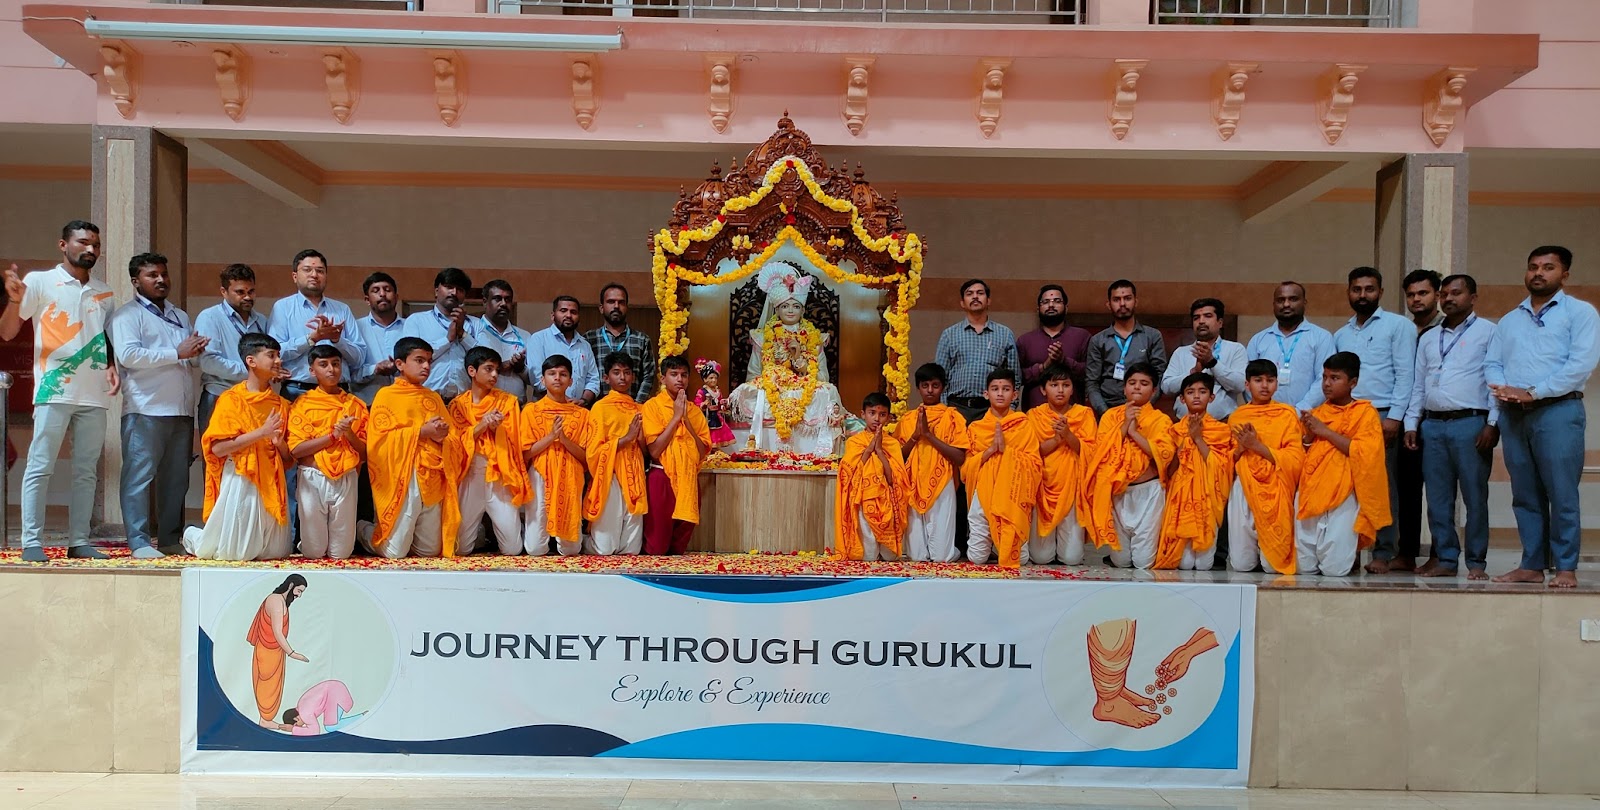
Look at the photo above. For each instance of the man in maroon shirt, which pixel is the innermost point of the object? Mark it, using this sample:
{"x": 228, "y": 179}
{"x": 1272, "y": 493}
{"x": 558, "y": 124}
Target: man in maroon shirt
{"x": 1052, "y": 342}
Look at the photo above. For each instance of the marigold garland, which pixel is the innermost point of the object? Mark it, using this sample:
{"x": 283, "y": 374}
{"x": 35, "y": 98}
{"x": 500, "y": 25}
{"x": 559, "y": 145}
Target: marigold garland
{"x": 788, "y": 411}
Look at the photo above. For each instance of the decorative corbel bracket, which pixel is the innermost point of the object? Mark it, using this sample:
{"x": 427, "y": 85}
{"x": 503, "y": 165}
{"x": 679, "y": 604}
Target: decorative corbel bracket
{"x": 1336, "y": 93}
{"x": 1124, "y": 94}
{"x": 449, "y": 70}
{"x": 1443, "y": 102}
{"x": 719, "y": 100}
{"x": 585, "y": 96}
{"x": 341, "y": 70}
{"x": 1227, "y": 95}
{"x": 233, "y": 78}
{"x": 857, "y": 70}
{"x": 991, "y": 92}
{"x": 119, "y": 66}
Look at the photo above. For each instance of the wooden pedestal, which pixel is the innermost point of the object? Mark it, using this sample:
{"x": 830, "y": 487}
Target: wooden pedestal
{"x": 769, "y": 511}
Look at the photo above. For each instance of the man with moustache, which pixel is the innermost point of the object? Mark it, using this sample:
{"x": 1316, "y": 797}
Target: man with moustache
{"x": 449, "y": 331}
{"x": 74, "y": 380}
{"x": 562, "y": 338}
{"x": 154, "y": 346}
{"x": 1117, "y": 347}
{"x": 379, "y": 331}
{"x": 972, "y": 348}
{"x": 1296, "y": 346}
{"x": 1052, "y": 343}
{"x": 1421, "y": 289}
{"x": 614, "y": 335}
{"x": 1387, "y": 346}
{"x": 222, "y": 325}
{"x": 506, "y": 338}
{"x": 307, "y": 318}
{"x": 1209, "y": 353}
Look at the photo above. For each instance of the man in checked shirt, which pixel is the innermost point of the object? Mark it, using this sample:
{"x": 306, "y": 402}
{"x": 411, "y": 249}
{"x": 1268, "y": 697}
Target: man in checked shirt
{"x": 971, "y": 348}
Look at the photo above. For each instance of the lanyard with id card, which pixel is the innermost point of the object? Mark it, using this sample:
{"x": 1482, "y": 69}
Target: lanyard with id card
{"x": 1286, "y": 371}
{"x": 1120, "y": 370}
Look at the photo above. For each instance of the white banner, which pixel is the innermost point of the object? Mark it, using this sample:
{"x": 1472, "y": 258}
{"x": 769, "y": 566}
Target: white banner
{"x": 1114, "y": 683}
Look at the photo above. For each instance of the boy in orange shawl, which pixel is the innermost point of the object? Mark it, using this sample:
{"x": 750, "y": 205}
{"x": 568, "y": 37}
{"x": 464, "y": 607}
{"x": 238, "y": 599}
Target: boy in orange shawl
{"x": 1002, "y": 475}
{"x": 1067, "y": 431}
{"x": 416, "y": 463}
{"x": 1198, "y": 479}
{"x": 871, "y": 505}
{"x": 328, "y": 437}
{"x": 1267, "y": 459}
{"x": 1122, "y": 490}
{"x": 933, "y": 439}
{"x": 616, "y": 503}
{"x": 246, "y": 509}
{"x": 489, "y": 421}
{"x": 678, "y": 439}
{"x": 1344, "y": 487}
{"x": 555, "y": 430}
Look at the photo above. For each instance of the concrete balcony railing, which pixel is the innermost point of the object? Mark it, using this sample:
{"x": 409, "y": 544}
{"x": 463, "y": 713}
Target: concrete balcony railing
{"x": 1352, "y": 13}
{"x": 1024, "y": 12}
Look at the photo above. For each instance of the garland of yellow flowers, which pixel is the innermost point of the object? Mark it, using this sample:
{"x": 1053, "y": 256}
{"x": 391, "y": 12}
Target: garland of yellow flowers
{"x": 788, "y": 411}
{"x": 906, "y": 250}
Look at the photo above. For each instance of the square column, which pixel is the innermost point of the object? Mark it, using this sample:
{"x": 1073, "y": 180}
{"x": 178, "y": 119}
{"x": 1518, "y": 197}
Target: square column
{"x": 1421, "y": 216}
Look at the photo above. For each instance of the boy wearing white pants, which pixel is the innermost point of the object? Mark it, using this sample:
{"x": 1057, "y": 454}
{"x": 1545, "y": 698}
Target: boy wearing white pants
{"x": 1267, "y": 461}
{"x": 1067, "y": 433}
{"x": 496, "y": 482}
{"x": 933, "y": 440}
{"x": 555, "y": 430}
{"x": 1344, "y": 486}
{"x": 328, "y": 437}
{"x": 617, "y": 498}
{"x": 1123, "y": 486}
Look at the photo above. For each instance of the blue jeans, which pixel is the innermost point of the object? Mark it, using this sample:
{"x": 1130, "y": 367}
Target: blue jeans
{"x": 155, "y": 476}
{"x": 1544, "y": 454}
{"x": 50, "y": 426}
{"x": 1452, "y": 461}
{"x": 1387, "y": 543}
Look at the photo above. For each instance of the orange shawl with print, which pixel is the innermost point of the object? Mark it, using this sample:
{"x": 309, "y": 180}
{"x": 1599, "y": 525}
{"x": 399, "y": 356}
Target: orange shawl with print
{"x": 1117, "y": 462}
{"x": 1269, "y": 486}
{"x": 1008, "y": 483}
{"x": 239, "y": 411}
{"x": 1061, "y": 487}
{"x": 864, "y": 491}
{"x": 608, "y": 421}
{"x": 562, "y": 471}
{"x": 502, "y": 447}
{"x": 683, "y": 457}
{"x": 1197, "y": 491}
{"x": 313, "y": 416}
{"x": 397, "y": 453}
{"x": 1330, "y": 476}
{"x": 930, "y": 470}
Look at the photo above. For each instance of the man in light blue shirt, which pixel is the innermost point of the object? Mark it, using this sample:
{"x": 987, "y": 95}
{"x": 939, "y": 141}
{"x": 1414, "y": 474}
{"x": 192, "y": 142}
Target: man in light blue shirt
{"x": 1538, "y": 364}
{"x": 379, "y": 331}
{"x": 499, "y": 333}
{"x": 221, "y": 367}
{"x": 154, "y": 346}
{"x": 307, "y": 318}
{"x": 1296, "y": 346}
{"x": 1452, "y": 419}
{"x": 448, "y": 330}
{"x": 1211, "y": 353}
{"x": 562, "y": 338}
{"x": 1387, "y": 346}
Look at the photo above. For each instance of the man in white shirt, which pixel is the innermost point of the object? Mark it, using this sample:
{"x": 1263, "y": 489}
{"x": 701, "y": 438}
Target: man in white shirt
{"x": 448, "y": 330}
{"x": 74, "y": 380}
{"x": 154, "y": 346}
{"x": 1296, "y": 346}
{"x": 505, "y": 337}
{"x": 1454, "y": 421}
{"x": 1210, "y": 353}
{"x": 562, "y": 338}
{"x": 221, "y": 367}
{"x": 380, "y": 330}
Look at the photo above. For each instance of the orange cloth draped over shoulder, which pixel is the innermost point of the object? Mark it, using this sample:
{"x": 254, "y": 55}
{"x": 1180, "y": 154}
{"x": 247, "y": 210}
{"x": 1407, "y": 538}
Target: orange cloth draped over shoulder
{"x": 1330, "y": 476}
{"x": 267, "y": 665}
{"x": 682, "y": 458}
{"x": 562, "y": 471}
{"x": 1008, "y": 483}
{"x": 238, "y": 412}
{"x": 502, "y": 447}
{"x": 1269, "y": 486}
{"x": 608, "y": 422}
{"x": 1197, "y": 491}
{"x": 930, "y": 470}
{"x": 313, "y": 416}
{"x": 397, "y": 452}
{"x": 1117, "y": 462}
{"x": 864, "y": 491}
{"x": 1061, "y": 486}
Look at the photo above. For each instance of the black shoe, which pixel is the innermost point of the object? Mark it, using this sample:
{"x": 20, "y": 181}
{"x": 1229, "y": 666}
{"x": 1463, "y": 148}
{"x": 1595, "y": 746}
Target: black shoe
{"x": 86, "y": 553}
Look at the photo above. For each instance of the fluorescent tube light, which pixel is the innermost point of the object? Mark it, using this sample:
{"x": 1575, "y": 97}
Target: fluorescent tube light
{"x": 369, "y": 37}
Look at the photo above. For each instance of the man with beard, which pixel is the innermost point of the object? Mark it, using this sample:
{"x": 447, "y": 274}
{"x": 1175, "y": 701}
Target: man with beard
{"x": 1422, "y": 292}
{"x": 1053, "y": 342}
{"x": 380, "y": 330}
{"x": 506, "y": 338}
{"x": 1296, "y": 346}
{"x": 73, "y": 381}
{"x": 307, "y": 318}
{"x": 562, "y": 338}
{"x": 221, "y": 367}
{"x": 1538, "y": 364}
{"x": 1211, "y": 354}
{"x": 616, "y": 336}
{"x": 449, "y": 331}
{"x": 154, "y": 345}
{"x": 1387, "y": 346}
{"x": 1119, "y": 346}
{"x": 970, "y": 349}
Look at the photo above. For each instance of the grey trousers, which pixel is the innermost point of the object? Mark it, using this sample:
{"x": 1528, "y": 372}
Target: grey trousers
{"x": 51, "y": 423}
{"x": 155, "y": 477}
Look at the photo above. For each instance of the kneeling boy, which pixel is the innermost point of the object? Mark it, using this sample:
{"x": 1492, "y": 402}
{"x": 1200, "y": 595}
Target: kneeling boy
{"x": 1067, "y": 433}
{"x": 1344, "y": 486}
{"x": 1268, "y": 457}
{"x": 1198, "y": 479}
{"x": 870, "y": 507}
{"x": 616, "y": 503}
{"x": 496, "y": 482}
{"x": 555, "y": 430}
{"x": 933, "y": 439}
{"x": 1123, "y": 494}
{"x": 1002, "y": 476}
{"x": 679, "y": 440}
{"x": 328, "y": 437}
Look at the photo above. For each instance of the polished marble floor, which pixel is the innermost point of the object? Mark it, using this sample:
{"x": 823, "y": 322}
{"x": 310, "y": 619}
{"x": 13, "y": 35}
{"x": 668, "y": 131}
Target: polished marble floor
{"x": 115, "y": 791}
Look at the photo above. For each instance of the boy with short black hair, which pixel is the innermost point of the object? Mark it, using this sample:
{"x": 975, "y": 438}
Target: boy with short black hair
{"x": 870, "y": 509}
{"x": 678, "y": 439}
{"x": 616, "y": 503}
{"x": 1198, "y": 479}
{"x": 933, "y": 440}
{"x": 496, "y": 481}
{"x": 328, "y": 438}
{"x": 1267, "y": 461}
{"x": 1002, "y": 476}
{"x": 1123, "y": 493}
{"x": 1344, "y": 486}
{"x": 555, "y": 430}
{"x": 1067, "y": 439}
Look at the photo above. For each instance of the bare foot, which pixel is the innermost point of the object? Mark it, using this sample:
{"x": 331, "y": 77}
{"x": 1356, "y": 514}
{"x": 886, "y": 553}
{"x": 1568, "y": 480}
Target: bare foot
{"x": 1423, "y": 569}
{"x": 1521, "y": 575}
{"x": 1437, "y": 571}
{"x": 1121, "y": 711}
{"x": 1565, "y": 579}
{"x": 1477, "y": 574}
{"x": 1378, "y": 567}
{"x": 1139, "y": 700}
{"x": 1404, "y": 565}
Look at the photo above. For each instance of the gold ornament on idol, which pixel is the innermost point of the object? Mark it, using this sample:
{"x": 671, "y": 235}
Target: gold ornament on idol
{"x": 778, "y": 376}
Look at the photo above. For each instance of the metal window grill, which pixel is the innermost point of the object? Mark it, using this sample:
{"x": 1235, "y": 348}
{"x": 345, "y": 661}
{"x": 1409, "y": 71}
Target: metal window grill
{"x": 1368, "y": 13}
{"x": 965, "y": 11}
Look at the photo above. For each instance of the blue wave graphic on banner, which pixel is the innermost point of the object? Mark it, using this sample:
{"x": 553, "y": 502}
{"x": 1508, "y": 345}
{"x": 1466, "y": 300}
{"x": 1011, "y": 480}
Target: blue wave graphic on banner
{"x": 764, "y": 590}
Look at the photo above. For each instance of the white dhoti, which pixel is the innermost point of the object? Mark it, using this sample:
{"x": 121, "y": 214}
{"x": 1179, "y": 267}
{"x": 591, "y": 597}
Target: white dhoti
{"x": 327, "y": 513}
{"x": 418, "y": 531}
{"x": 980, "y": 545}
{"x": 240, "y": 527}
{"x": 813, "y": 434}
{"x": 1327, "y": 544}
{"x": 1244, "y": 545}
{"x": 1064, "y": 543}
{"x": 479, "y": 497}
{"x": 1136, "y": 513}
{"x": 931, "y": 535}
{"x": 615, "y": 531}
{"x": 870, "y": 550}
{"x": 535, "y": 532}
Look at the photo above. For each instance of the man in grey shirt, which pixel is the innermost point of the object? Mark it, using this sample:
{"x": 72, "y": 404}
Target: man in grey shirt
{"x": 1120, "y": 345}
